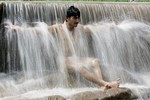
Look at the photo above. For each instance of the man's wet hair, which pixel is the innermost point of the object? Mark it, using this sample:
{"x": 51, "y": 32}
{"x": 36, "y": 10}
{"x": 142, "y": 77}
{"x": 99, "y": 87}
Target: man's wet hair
{"x": 73, "y": 11}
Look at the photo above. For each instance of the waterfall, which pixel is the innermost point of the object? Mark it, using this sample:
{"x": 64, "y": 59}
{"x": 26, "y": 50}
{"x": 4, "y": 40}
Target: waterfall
{"x": 32, "y": 58}
{"x": 52, "y": 13}
{"x": 123, "y": 47}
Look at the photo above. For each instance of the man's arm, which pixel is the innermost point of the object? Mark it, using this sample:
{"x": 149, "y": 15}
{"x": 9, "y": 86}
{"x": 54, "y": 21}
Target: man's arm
{"x": 32, "y": 25}
{"x": 85, "y": 30}
{"x": 54, "y": 29}
{"x": 12, "y": 26}
{"x": 89, "y": 33}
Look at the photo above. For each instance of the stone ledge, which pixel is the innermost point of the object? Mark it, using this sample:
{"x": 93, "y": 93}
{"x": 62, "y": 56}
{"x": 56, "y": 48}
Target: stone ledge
{"x": 111, "y": 94}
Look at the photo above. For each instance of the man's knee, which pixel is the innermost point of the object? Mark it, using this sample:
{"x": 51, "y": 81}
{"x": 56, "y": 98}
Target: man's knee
{"x": 95, "y": 63}
{"x": 83, "y": 70}
{"x": 70, "y": 68}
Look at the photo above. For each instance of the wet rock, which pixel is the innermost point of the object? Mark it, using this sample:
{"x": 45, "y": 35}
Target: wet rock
{"x": 54, "y": 97}
{"x": 88, "y": 95}
{"x": 57, "y": 97}
{"x": 111, "y": 94}
{"x": 120, "y": 93}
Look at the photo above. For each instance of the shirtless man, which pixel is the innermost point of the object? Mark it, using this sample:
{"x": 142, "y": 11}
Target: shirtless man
{"x": 70, "y": 26}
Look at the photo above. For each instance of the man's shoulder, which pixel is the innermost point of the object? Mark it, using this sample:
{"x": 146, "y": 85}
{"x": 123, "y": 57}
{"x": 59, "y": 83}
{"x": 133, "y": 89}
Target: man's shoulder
{"x": 80, "y": 25}
{"x": 54, "y": 27}
{"x": 84, "y": 28}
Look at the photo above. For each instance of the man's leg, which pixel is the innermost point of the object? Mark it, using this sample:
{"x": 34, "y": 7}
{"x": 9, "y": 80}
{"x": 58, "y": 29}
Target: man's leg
{"x": 90, "y": 76}
{"x": 95, "y": 64}
{"x": 97, "y": 70}
{"x": 95, "y": 76}
{"x": 86, "y": 74}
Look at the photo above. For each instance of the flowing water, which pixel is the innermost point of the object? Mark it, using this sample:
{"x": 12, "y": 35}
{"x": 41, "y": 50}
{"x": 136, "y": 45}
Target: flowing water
{"x": 33, "y": 59}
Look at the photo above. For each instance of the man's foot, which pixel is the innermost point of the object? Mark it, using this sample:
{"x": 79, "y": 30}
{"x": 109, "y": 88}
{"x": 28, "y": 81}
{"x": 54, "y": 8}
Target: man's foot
{"x": 114, "y": 84}
{"x": 106, "y": 87}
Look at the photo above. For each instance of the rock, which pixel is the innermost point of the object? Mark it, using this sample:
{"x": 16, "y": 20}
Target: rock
{"x": 57, "y": 97}
{"x": 120, "y": 93}
{"x": 88, "y": 95}
{"x": 111, "y": 94}
{"x": 54, "y": 97}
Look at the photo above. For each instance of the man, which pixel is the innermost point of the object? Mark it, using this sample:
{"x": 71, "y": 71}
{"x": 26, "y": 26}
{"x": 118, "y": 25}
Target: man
{"x": 71, "y": 26}
{"x": 82, "y": 65}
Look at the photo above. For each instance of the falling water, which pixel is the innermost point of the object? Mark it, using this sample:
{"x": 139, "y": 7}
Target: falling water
{"x": 52, "y": 13}
{"x": 124, "y": 47}
{"x": 34, "y": 60}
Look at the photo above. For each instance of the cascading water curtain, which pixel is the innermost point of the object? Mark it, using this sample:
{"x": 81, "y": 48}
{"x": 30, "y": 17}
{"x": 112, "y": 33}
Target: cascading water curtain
{"x": 35, "y": 58}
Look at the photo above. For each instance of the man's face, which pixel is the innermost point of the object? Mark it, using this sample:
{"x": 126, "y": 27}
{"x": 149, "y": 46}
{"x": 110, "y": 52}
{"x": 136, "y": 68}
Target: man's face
{"x": 73, "y": 21}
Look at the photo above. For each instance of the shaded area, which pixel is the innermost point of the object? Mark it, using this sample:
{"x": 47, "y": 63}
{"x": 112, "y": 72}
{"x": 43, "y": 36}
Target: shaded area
{"x": 3, "y": 41}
